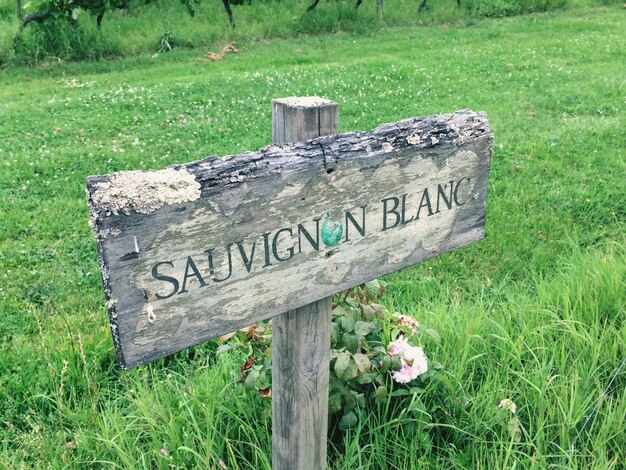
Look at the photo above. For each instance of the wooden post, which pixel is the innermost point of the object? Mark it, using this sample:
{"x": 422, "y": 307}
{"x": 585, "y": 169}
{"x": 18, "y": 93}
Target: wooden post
{"x": 301, "y": 337}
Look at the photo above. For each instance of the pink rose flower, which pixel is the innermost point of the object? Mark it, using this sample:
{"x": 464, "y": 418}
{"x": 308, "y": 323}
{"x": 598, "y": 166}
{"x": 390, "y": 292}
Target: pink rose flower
{"x": 412, "y": 358}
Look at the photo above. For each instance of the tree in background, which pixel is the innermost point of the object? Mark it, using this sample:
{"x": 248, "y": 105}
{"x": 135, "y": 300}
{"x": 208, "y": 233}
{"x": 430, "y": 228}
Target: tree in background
{"x": 50, "y": 10}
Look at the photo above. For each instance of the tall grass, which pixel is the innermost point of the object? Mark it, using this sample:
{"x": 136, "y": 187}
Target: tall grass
{"x": 552, "y": 351}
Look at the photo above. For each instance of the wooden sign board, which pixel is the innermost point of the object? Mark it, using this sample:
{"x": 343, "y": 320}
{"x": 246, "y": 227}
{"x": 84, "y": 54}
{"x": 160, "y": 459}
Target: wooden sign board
{"x": 198, "y": 250}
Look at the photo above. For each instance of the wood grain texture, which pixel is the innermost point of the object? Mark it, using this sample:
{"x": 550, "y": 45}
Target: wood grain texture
{"x": 301, "y": 118}
{"x": 301, "y": 337}
{"x": 231, "y": 231}
{"x": 300, "y": 375}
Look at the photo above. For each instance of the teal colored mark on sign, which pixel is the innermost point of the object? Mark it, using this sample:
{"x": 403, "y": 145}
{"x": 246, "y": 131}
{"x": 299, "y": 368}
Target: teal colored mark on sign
{"x": 331, "y": 235}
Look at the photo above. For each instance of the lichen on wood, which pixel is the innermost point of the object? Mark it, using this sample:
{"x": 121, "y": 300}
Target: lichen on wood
{"x": 144, "y": 191}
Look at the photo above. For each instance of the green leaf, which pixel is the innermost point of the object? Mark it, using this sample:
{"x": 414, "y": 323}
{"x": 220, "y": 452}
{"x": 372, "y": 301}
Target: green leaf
{"x": 251, "y": 378}
{"x": 378, "y": 349}
{"x": 349, "y": 401}
{"x": 334, "y": 383}
{"x": 363, "y": 328}
{"x": 351, "y": 371}
{"x": 379, "y": 310}
{"x": 435, "y": 365}
{"x": 426, "y": 442}
{"x": 363, "y": 363}
{"x": 339, "y": 311}
{"x": 373, "y": 289}
{"x": 224, "y": 348}
{"x": 334, "y": 333}
{"x": 515, "y": 429}
{"x": 349, "y": 420}
{"x": 350, "y": 342}
{"x": 381, "y": 393}
{"x": 395, "y": 332}
{"x": 368, "y": 312}
{"x": 387, "y": 363}
{"x": 347, "y": 323}
{"x": 341, "y": 364}
{"x": 360, "y": 399}
{"x": 367, "y": 378}
{"x": 334, "y": 403}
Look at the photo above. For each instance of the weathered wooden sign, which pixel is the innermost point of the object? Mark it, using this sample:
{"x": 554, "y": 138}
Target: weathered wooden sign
{"x": 198, "y": 250}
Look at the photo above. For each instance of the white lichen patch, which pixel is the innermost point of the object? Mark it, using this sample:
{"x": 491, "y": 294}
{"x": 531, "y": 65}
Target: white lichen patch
{"x": 413, "y": 139}
{"x": 387, "y": 147}
{"x": 150, "y": 312}
{"x": 145, "y": 191}
{"x": 114, "y": 232}
{"x": 270, "y": 148}
{"x": 304, "y": 101}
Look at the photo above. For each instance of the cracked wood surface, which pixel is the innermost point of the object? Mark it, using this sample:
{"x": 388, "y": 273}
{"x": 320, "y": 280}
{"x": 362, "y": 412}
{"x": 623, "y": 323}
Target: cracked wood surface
{"x": 198, "y": 250}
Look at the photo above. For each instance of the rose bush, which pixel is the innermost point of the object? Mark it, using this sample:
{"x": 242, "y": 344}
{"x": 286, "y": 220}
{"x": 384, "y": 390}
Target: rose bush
{"x": 376, "y": 355}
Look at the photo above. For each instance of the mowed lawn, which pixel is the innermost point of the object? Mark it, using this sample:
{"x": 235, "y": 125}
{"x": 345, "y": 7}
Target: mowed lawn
{"x": 535, "y": 313}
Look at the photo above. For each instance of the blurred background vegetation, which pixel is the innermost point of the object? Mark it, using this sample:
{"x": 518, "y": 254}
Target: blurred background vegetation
{"x": 68, "y": 29}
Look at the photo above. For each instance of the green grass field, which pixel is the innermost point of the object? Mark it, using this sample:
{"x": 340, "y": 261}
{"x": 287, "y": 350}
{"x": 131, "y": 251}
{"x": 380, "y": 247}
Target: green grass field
{"x": 535, "y": 313}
